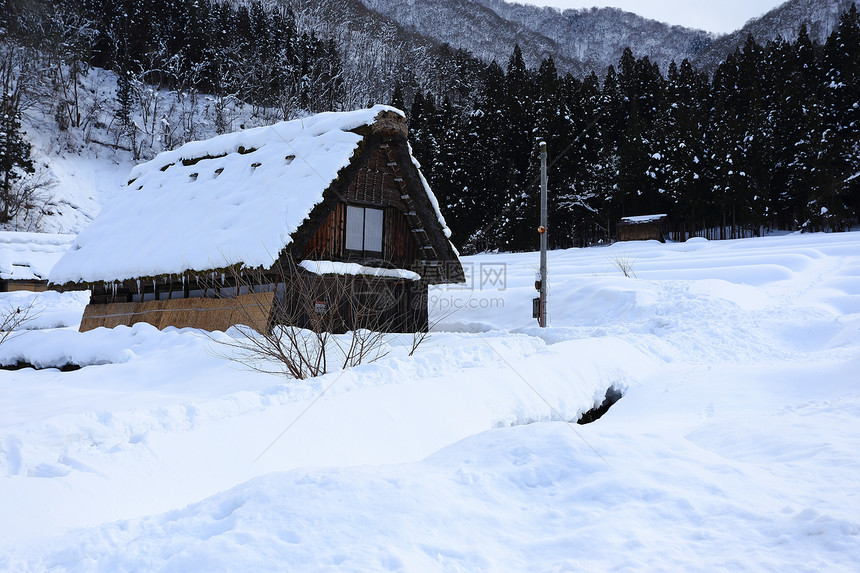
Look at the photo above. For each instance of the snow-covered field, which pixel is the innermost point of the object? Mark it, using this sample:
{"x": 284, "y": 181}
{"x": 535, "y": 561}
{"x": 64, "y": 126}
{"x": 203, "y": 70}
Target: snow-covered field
{"x": 735, "y": 446}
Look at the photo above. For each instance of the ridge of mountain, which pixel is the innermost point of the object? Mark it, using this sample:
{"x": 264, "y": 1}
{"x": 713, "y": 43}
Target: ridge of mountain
{"x": 820, "y": 16}
{"x": 580, "y": 41}
{"x": 585, "y": 40}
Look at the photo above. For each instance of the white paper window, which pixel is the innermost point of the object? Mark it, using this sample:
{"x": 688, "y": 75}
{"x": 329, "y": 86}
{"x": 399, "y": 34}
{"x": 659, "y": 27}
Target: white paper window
{"x": 373, "y": 230}
{"x": 364, "y": 226}
{"x": 354, "y": 228}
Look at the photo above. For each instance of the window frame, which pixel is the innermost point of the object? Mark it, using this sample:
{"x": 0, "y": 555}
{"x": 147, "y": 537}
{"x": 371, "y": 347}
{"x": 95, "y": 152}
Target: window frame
{"x": 356, "y": 229}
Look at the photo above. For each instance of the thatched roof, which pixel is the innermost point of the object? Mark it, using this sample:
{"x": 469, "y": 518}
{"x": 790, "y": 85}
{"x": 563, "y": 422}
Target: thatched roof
{"x": 235, "y": 199}
{"x": 30, "y": 256}
{"x": 642, "y": 220}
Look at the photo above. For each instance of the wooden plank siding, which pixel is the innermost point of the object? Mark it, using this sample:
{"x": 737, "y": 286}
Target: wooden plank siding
{"x": 31, "y": 286}
{"x": 351, "y": 302}
{"x": 398, "y": 244}
{"x": 327, "y": 243}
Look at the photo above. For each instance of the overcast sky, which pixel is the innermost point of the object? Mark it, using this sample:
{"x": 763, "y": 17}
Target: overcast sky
{"x": 719, "y": 16}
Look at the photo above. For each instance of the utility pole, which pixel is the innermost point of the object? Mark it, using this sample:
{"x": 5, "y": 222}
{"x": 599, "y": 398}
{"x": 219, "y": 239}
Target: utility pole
{"x": 542, "y": 232}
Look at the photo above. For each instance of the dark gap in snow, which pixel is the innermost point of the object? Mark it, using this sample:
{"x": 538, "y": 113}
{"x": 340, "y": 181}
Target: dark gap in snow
{"x": 612, "y": 396}
{"x": 188, "y": 162}
{"x": 21, "y": 365}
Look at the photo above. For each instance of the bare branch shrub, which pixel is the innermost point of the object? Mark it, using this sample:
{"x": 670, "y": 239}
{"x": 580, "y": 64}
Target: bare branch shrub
{"x": 624, "y": 263}
{"x": 316, "y": 322}
{"x": 14, "y": 318}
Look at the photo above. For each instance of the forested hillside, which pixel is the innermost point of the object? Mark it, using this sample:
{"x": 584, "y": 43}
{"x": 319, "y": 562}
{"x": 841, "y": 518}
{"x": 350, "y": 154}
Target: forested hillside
{"x": 784, "y": 21}
{"x": 580, "y": 41}
{"x": 769, "y": 140}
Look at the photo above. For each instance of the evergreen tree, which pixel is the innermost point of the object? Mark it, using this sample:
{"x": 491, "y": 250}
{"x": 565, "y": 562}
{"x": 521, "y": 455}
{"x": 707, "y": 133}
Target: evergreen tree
{"x": 682, "y": 149}
{"x": 589, "y": 170}
{"x": 15, "y": 162}
{"x": 449, "y": 178}
{"x": 518, "y": 144}
{"x": 836, "y": 193}
{"x": 486, "y": 162}
{"x": 422, "y": 135}
{"x": 397, "y": 97}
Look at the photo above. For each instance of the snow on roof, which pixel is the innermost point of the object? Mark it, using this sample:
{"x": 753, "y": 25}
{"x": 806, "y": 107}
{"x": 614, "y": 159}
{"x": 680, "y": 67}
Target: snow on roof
{"x": 235, "y": 198}
{"x": 30, "y": 256}
{"x": 336, "y": 268}
{"x": 643, "y": 218}
{"x": 433, "y": 201}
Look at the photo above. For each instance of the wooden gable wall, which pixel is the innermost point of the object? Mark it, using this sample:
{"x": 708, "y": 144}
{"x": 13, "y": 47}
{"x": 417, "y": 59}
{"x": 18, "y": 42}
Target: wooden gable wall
{"x": 377, "y": 183}
{"x": 382, "y": 175}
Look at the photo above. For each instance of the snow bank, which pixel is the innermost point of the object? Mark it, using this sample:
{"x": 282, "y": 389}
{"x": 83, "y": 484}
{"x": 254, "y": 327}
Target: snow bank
{"x": 733, "y": 447}
{"x": 49, "y": 309}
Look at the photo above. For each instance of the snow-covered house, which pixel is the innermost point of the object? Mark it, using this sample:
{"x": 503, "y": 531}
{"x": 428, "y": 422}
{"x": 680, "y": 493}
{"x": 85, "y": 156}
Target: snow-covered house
{"x": 643, "y": 228}
{"x": 26, "y": 259}
{"x": 336, "y": 198}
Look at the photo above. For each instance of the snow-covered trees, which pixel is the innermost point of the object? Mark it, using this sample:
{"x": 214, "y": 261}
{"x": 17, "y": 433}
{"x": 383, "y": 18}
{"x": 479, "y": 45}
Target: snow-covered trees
{"x": 15, "y": 163}
{"x": 771, "y": 141}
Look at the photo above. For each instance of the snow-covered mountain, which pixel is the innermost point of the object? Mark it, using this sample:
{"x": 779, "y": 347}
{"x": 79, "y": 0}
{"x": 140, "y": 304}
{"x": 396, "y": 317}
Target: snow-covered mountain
{"x": 820, "y": 17}
{"x": 591, "y": 39}
{"x": 578, "y": 40}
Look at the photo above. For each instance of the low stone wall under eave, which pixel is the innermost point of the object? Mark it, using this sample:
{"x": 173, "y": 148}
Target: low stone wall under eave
{"x": 206, "y": 313}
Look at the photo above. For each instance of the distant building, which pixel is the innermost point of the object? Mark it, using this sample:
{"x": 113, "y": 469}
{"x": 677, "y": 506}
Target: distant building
{"x": 202, "y": 232}
{"x": 643, "y": 228}
{"x": 26, "y": 259}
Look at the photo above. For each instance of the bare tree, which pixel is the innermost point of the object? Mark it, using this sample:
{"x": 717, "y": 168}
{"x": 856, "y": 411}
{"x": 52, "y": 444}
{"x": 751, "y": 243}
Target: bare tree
{"x": 28, "y": 201}
{"x": 67, "y": 41}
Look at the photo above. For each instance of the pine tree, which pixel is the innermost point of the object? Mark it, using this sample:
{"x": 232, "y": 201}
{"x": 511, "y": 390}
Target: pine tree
{"x": 682, "y": 147}
{"x": 518, "y": 144}
{"x": 588, "y": 170}
{"x": 15, "y": 162}
{"x": 397, "y": 97}
{"x": 832, "y": 198}
{"x": 486, "y": 161}
{"x": 842, "y": 59}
